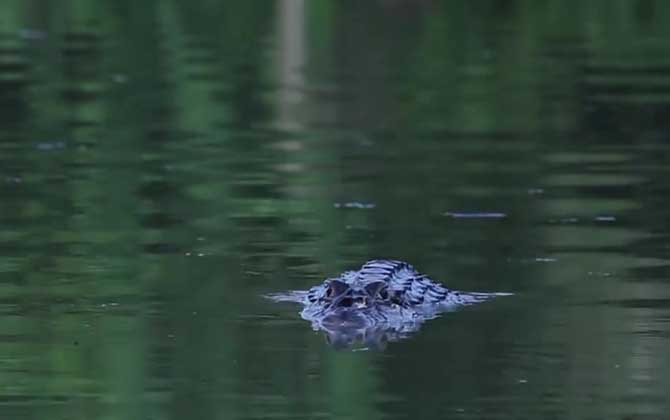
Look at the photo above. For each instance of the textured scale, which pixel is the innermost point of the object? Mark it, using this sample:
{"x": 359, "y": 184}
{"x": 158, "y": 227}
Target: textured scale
{"x": 412, "y": 287}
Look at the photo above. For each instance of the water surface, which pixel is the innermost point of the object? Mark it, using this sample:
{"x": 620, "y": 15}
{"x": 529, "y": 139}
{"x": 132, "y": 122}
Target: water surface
{"x": 163, "y": 165}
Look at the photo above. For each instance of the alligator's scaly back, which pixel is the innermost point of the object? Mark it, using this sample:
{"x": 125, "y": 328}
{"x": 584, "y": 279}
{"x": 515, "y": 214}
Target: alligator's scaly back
{"x": 411, "y": 288}
{"x": 387, "y": 270}
{"x": 407, "y": 286}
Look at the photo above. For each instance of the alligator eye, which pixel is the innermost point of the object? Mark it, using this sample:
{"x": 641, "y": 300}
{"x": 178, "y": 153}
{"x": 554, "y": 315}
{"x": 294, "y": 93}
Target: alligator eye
{"x": 375, "y": 289}
{"x": 384, "y": 294}
{"x": 336, "y": 288}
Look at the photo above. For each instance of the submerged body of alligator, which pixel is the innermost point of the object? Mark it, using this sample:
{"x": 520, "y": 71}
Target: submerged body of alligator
{"x": 382, "y": 301}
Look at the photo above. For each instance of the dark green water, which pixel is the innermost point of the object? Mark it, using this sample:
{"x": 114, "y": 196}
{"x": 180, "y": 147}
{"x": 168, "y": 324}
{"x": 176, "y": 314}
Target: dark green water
{"x": 165, "y": 163}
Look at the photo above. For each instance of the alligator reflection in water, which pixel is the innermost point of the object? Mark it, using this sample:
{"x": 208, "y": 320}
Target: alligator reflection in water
{"x": 385, "y": 300}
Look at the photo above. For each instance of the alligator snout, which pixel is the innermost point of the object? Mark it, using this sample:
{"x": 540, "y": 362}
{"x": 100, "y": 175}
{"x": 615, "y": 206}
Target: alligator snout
{"x": 344, "y": 318}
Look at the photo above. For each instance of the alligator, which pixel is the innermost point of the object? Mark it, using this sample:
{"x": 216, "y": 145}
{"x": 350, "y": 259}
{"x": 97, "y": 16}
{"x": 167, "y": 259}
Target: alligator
{"x": 385, "y": 300}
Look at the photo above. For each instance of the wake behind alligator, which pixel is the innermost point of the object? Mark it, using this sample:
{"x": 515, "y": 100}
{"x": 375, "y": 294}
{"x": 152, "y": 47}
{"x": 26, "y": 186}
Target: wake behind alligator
{"x": 385, "y": 300}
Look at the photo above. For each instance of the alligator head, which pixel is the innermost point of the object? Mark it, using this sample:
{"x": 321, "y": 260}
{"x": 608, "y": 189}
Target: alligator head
{"x": 340, "y": 294}
{"x": 350, "y": 305}
{"x": 383, "y": 301}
